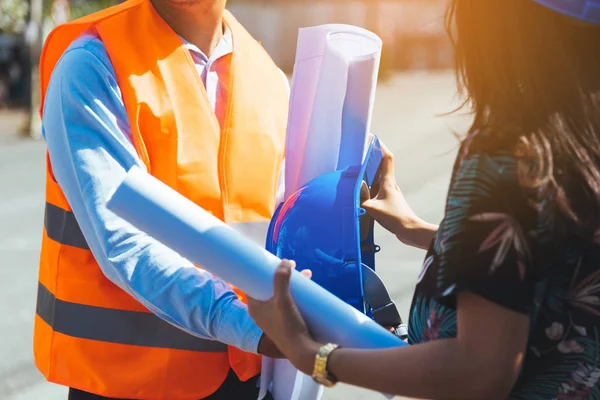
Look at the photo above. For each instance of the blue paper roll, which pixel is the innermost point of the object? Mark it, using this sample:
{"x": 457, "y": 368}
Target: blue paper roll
{"x": 177, "y": 222}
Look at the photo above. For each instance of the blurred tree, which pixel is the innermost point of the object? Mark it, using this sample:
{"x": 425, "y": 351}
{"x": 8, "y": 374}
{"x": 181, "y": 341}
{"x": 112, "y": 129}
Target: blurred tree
{"x": 13, "y": 16}
{"x": 82, "y": 8}
{"x": 46, "y": 14}
{"x": 373, "y": 23}
{"x": 34, "y": 38}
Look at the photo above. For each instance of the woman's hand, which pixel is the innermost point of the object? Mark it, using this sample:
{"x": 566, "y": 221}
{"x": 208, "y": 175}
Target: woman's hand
{"x": 281, "y": 321}
{"x": 391, "y": 210}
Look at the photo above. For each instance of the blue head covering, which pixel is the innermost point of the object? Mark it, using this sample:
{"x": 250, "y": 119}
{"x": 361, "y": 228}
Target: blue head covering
{"x": 586, "y": 10}
{"x": 322, "y": 227}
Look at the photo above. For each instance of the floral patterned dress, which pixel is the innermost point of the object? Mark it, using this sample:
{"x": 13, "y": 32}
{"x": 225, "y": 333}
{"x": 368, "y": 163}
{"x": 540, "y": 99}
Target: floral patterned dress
{"x": 494, "y": 244}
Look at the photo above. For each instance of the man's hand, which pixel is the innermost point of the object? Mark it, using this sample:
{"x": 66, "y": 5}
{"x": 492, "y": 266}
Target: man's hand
{"x": 266, "y": 347}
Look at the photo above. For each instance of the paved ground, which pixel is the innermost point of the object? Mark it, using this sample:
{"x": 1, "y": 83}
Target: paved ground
{"x": 405, "y": 118}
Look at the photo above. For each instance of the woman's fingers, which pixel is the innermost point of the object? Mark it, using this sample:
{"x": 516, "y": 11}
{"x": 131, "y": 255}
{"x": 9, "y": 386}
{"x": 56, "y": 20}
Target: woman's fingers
{"x": 387, "y": 166}
{"x": 282, "y": 279}
{"x": 371, "y": 205}
{"x": 307, "y": 273}
{"x": 283, "y": 275}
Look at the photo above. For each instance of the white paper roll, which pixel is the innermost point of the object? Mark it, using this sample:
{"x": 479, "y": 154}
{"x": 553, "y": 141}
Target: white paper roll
{"x": 331, "y": 103}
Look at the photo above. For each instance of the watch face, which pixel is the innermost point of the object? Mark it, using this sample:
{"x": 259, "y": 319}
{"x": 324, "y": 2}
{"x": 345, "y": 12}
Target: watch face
{"x": 320, "y": 374}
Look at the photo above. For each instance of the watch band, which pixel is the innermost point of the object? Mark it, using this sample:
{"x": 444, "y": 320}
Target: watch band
{"x": 320, "y": 373}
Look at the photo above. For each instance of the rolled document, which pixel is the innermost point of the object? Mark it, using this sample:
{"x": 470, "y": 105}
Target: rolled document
{"x": 331, "y": 101}
{"x": 177, "y": 222}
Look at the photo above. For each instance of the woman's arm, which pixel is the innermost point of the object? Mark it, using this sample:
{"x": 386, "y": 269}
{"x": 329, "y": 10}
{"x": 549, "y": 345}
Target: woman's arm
{"x": 416, "y": 233}
{"x": 482, "y": 363}
{"x": 485, "y": 262}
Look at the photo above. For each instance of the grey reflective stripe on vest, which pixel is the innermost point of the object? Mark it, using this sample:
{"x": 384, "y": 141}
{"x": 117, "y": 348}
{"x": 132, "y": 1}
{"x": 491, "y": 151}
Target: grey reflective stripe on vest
{"x": 62, "y": 227}
{"x": 117, "y": 326}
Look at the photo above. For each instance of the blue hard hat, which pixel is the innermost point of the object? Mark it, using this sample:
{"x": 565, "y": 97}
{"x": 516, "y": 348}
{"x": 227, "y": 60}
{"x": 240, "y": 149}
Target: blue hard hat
{"x": 322, "y": 227}
{"x": 587, "y": 10}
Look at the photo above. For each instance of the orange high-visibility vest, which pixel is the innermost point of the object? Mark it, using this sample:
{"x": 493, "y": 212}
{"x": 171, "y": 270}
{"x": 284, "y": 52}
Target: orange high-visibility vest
{"x": 91, "y": 335}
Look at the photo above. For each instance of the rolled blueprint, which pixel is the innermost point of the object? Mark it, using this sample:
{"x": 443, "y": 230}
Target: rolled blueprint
{"x": 177, "y": 222}
{"x": 331, "y": 103}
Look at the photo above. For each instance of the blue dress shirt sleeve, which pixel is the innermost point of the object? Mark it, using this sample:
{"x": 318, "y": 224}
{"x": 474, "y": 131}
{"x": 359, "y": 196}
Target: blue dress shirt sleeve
{"x": 87, "y": 132}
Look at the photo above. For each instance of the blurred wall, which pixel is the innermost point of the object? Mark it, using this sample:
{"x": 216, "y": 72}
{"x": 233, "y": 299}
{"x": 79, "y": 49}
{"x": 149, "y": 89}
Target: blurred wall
{"x": 413, "y": 31}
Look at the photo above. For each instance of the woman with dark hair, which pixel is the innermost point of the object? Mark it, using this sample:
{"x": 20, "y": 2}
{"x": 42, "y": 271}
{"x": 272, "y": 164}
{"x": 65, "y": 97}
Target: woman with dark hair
{"x": 508, "y": 301}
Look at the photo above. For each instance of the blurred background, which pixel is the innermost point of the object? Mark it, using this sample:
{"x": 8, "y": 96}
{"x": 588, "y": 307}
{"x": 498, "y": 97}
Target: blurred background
{"x": 416, "y": 89}
{"x": 412, "y": 31}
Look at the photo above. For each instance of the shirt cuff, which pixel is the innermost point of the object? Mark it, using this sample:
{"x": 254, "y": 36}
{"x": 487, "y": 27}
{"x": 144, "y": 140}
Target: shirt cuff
{"x": 238, "y": 329}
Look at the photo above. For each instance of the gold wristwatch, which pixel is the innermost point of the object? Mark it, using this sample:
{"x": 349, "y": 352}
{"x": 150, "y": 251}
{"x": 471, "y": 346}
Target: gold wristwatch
{"x": 320, "y": 373}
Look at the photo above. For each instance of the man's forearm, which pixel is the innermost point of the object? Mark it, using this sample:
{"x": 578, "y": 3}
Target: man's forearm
{"x": 163, "y": 281}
